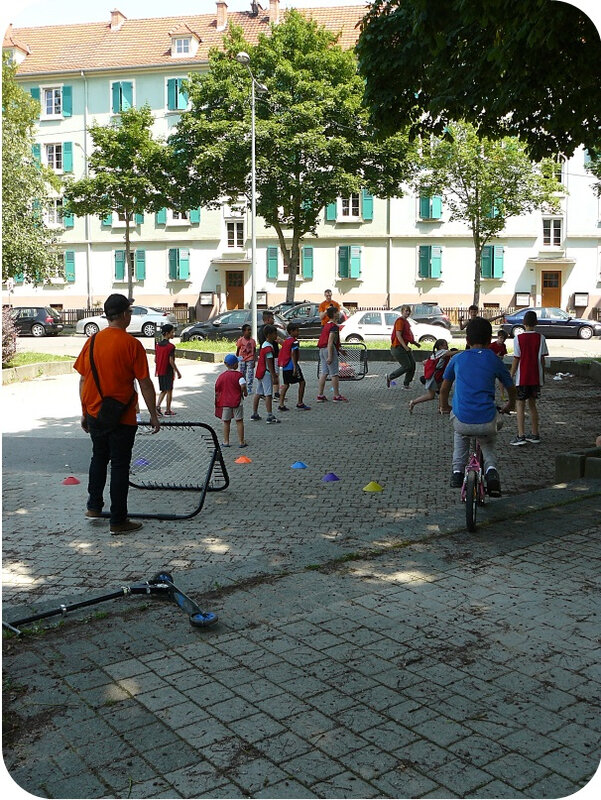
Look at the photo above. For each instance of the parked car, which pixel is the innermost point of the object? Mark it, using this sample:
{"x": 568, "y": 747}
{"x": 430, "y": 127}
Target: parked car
{"x": 431, "y": 313}
{"x": 144, "y": 320}
{"x": 285, "y": 305}
{"x": 364, "y": 326}
{"x": 553, "y": 323}
{"x": 307, "y": 316}
{"x": 227, "y": 326}
{"x": 37, "y": 321}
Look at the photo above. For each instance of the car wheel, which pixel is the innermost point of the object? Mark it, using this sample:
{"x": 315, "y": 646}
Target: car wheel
{"x": 38, "y": 330}
{"x": 353, "y": 339}
{"x": 585, "y": 332}
{"x": 517, "y": 330}
{"x": 148, "y": 329}
{"x": 427, "y": 339}
{"x": 196, "y": 337}
{"x": 90, "y": 329}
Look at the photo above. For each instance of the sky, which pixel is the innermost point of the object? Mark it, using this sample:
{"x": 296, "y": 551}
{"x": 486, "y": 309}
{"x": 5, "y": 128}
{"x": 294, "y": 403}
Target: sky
{"x": 26, "y": 13}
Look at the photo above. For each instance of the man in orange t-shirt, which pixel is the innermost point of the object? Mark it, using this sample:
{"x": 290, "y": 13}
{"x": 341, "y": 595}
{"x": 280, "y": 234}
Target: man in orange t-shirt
{"x": 327, "y": 303}
{"x": 119, "y": 359}
{"x": 400, "y": 339}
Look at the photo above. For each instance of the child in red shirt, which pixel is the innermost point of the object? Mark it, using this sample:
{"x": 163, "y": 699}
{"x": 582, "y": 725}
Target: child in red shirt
{"x": 164, "y": 359}
{"x": 230, "y": 388}
{"x": 500, "y": 349}
{"x": 246, "y": 350}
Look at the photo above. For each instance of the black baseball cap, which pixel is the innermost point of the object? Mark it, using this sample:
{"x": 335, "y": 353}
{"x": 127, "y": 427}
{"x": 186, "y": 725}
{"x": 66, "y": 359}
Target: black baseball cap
{"x": 116, "y": 304}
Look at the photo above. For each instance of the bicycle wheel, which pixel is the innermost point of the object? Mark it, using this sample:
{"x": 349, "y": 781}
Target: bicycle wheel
{"x": 471, "y": 501}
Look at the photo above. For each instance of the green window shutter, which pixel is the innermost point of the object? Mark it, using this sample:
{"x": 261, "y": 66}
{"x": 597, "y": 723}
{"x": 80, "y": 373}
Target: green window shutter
{"x": 119, "y": 265}
{"x": 424, "y": 207}
{"x": 35, "y": 93}
{"x": 161, "y": 216}
{"x": 355, "y": 266}
{"x": 67, "y": 101}
{"x": 139, "y": 219}
{"x": 107, "y": 222}
{"x": 436, "y": 207}
{"x": 307, "y": 262}
{"x": 184, "y": 264}
{"x": 172, "y": 94}
{"x": 182, "y": 97}
{"x": 497, "y": 269}
{"x": 425, "y": 254}
{"x": 436, "y": 262}
{"x": 68, "y": 219}
{"x": 19, "y": 277}
{"x": 116, "y": 97}
{"x": 140, "y": 265}
{"x": 67, "y": 156}
{"x": 127, "y": 95}
{"x": 272, "y": 263}
{"x": 70, "y": 266}
{"x": 368, "y": 206}
{"x": 331, "y": 212}
{"x": 486, "y": 262}
{"x": 37, "y": 152}
{"x": 173, "y": 262}
{"x": 194, "y": 215}
{"x": 344, "y": 255}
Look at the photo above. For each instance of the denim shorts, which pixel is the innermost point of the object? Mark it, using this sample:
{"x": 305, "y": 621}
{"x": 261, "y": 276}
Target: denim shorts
{"x": 325, "y": 368}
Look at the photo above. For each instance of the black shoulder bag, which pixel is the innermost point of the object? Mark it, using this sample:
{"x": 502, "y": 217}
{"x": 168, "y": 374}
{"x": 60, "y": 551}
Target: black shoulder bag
{"x": 111, "y": 409}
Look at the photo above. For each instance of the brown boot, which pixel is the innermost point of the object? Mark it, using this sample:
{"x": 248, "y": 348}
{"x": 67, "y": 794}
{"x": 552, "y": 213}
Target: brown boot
{"x": 128, "y": 526}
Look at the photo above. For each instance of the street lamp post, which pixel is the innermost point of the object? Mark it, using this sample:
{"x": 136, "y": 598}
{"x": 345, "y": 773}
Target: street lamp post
{"x": 244, "y": 58}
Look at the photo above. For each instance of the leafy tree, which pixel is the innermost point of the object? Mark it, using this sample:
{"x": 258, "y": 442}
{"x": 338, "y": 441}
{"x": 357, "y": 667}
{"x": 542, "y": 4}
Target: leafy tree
{"x": 27, "y": 245}
{"x": 593, "y": 166}
{"x": 127, "y": 174}
{"x": 313, "y": 139}
{"x": 484, "y": 182}
{"x": 512, "y": 67}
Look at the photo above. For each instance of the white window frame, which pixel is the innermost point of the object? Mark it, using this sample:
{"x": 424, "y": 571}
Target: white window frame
{"x": 44, "y": 114}
{"x": 192, "y": 47}
{"x": 554, "y": 223}
{"x": 177, "y": 218}
{"x": 347, "y": 204}
{"x": 53, "y": 217}
{"x": 238, "y": 239}
{"x": 52, "y": 164}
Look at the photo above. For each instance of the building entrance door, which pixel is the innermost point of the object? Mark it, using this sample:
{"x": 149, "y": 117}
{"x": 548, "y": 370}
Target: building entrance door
{"x": 551, "y": 289}
{"x": 234, "y": 289}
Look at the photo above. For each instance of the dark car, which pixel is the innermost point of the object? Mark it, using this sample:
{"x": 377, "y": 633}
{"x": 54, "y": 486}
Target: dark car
{"x": 227, "y": 326}
{"x": 553, "y": 323}
{"x": 307, "y": 316}
{"x": 287, "y": 304}
{"x": 431, "y": 313}
{"x": 37, "y": 321}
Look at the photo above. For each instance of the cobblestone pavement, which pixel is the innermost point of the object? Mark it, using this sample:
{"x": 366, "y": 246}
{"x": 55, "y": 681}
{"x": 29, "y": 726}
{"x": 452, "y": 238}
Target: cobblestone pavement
{"x": 367, "y": 646}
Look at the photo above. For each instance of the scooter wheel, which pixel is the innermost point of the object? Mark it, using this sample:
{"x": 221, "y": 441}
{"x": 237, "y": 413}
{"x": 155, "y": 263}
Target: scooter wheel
{"x": 161, "y": 577}
{"x": 200, "y": 620}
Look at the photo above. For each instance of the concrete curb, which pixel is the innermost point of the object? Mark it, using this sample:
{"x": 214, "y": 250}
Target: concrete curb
{"x": 43, "y": 369}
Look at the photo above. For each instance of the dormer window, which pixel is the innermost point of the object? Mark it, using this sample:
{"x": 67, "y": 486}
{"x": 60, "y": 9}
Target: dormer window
{"x": 181, "y": 47}
{"x": 184, "y": 42}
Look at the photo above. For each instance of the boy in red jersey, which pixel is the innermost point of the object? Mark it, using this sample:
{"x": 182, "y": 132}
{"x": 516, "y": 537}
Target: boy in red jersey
{"x": 266, "y": 375}
{"x": 230, "y": 388}
{"x": 164, "y": 358}
{"x": 329, "y": 348}
{"x": 291, "y": 371}
{"x": 500, "y": 348}
{"x": 528, "y": 367}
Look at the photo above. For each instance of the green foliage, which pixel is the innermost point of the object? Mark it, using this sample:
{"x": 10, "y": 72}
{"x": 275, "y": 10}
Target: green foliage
{"x": 9, "y": 337}
{"x": 127, "y": 172}
{"x": 512, "y": 67}
{"x": 484, "y": 182}
{"x": 28, "y": 247}
{"x": 313, "y": 138}
{"x": 594, "y": 168}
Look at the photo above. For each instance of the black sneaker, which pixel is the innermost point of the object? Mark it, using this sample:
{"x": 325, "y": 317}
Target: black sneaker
{"x": 456, "y": 480}
{"x": 518, "y": 441}
{"x": 493, "y": 483}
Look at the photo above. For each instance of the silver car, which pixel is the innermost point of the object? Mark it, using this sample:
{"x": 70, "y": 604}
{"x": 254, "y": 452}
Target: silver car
{"x": 144, "y": 320}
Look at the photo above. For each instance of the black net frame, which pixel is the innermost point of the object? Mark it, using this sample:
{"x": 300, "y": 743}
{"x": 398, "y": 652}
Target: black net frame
{"x": 353, "y": 362}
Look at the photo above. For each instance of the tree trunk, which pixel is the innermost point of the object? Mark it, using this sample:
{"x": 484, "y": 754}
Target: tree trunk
{"x": 128, "y": 264}
{"x": 478, "y": 251}
{"x": 292, "y": 271}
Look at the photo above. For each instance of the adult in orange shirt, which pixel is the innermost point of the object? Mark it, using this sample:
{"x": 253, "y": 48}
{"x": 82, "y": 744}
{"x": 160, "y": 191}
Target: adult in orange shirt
{"x": 327, "y": 303}
{"x": 400, "y": 341}
{"x": 119, "y": 359}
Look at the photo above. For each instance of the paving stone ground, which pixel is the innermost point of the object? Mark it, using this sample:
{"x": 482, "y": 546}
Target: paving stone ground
{"x": 367, "y": 646}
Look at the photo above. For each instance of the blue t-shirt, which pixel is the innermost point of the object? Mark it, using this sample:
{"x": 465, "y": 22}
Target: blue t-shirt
{"x": 474, "y": 373}
{"x": 290, "y": 365}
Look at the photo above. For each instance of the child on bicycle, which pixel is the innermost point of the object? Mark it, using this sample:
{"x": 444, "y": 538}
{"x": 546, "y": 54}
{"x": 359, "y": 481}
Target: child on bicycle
{"x": 474, "y": 412}
{"x": 433, "y": 371}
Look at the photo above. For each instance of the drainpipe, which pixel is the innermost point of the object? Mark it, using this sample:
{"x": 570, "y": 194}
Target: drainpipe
{"x": 85, "y": 172}
{"x": 388, "y": 252}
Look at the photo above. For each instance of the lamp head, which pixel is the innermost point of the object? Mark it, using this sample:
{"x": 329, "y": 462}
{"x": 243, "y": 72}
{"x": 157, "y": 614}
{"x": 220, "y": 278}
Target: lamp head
{"x": 243, "y": 58}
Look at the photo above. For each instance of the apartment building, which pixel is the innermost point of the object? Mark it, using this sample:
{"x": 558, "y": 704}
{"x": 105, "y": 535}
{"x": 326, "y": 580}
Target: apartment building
{"x": 369, "y": 250}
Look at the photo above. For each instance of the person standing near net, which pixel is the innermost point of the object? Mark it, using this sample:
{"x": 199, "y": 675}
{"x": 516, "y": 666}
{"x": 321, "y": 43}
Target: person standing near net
{"x": 329, "y": 363}
{"x": 325, "y": 304}
{"x": 108, "y": 364}
{"x": 401, "y": 340}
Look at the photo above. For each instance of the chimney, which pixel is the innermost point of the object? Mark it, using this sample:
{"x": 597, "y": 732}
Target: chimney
{"x": 274, "y": 12}
{"x": 221, "y": 15}
{"x": 117, "y": 19}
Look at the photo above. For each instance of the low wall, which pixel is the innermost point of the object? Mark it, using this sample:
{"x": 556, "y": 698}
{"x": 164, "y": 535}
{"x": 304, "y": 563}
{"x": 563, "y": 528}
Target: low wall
{"x": 29, "y": 371}
{"x": 581, "y": 464}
